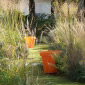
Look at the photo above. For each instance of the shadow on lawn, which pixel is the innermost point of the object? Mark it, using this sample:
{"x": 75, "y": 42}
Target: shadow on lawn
{"x": 49, "y": 79}
{"x": 55, "y": 80}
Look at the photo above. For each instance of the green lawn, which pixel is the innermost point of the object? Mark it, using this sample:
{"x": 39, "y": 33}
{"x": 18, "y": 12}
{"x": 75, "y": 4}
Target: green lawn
{"x": 36, "y": 71}
{"x": 34, "y": 53}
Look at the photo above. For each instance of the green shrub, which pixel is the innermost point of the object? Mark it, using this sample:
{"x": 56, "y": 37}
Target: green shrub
{"x": 42, "y": 24}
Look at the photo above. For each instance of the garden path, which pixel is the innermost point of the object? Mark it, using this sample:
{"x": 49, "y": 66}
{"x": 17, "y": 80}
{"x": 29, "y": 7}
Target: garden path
{"x": 37, "y": 70}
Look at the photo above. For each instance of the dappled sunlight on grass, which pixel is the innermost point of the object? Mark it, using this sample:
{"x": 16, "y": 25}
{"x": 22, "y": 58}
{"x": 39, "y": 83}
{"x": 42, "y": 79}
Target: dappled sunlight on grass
{"x": 34, "y": 53}
{"x": 50, "y": 79}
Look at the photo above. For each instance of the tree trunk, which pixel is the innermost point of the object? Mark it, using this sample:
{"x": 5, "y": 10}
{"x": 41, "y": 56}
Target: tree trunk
{"x": 53, "y": 7}
{"x": 81, "y": 8}
{"x": 32, "y": 17}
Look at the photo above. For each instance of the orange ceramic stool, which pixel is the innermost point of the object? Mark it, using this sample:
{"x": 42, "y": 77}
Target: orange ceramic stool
{"x": 48, "y": 61}
{"x": 30, "y": 41}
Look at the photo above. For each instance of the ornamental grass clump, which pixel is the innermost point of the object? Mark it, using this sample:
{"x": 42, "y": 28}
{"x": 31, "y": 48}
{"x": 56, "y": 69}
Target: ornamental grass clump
{"x": 14, "y": 62}
{"x": 13, "y": 51}
{"x": 68, "y": 36}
